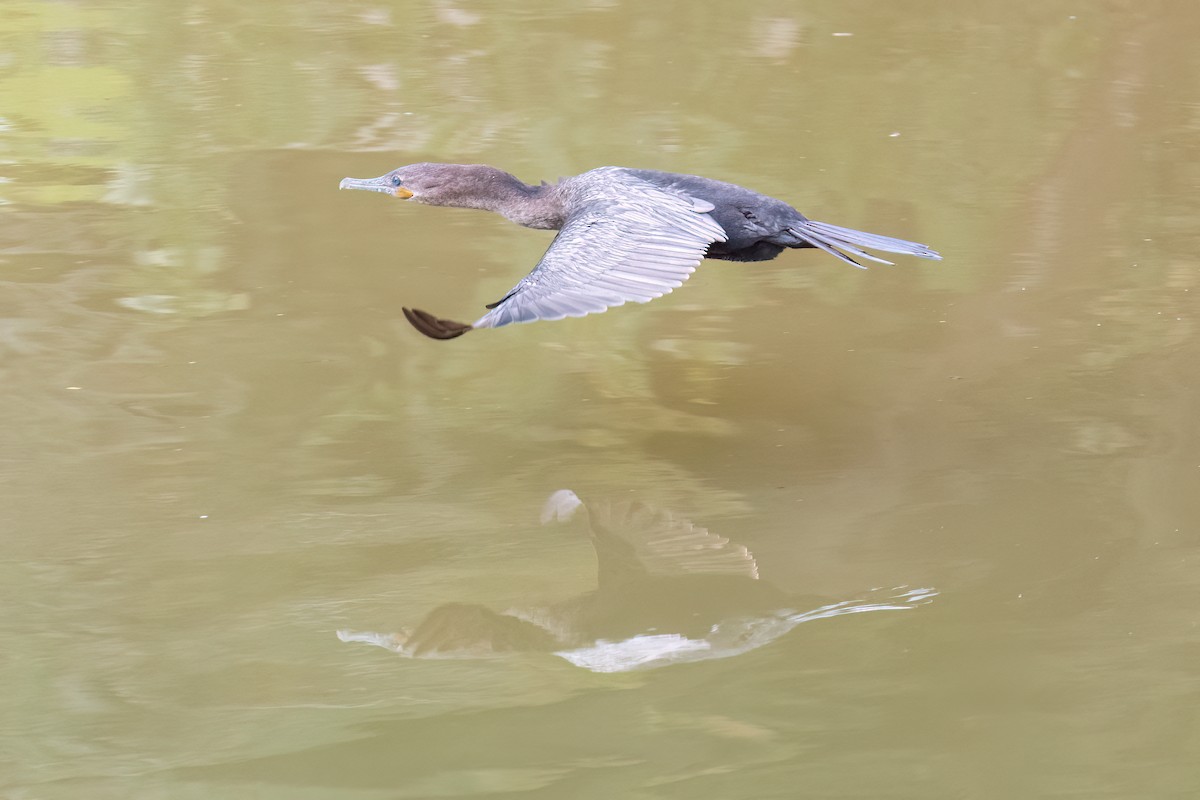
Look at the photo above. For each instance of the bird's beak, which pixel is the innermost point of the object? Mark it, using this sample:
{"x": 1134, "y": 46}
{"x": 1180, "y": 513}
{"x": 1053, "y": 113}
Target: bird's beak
{"x": 380, "y": 184}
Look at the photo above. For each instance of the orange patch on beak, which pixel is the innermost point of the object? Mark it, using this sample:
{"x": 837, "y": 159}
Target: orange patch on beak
{"x": 402, "y": 193}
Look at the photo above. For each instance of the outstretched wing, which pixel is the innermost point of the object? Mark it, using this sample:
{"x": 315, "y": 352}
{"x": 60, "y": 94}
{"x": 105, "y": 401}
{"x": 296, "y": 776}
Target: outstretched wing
{"x": 631, "y": 241}
{"x": 635, "y": 541}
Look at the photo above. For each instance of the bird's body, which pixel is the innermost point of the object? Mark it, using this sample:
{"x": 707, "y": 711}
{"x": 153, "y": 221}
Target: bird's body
{"x": 624, "y": 234}
{"x": 756, "y": 226}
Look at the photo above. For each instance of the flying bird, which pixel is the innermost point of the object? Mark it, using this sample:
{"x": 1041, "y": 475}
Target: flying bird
{"x": 623, "y": 234}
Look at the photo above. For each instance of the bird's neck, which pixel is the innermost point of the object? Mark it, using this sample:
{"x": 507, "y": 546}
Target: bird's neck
{"x": 532, "y": 206}
{"x": 492, "y": 190}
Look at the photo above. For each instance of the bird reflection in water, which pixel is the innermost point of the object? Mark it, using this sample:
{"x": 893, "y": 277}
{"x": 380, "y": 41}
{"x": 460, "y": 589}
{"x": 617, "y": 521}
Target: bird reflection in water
{"x": 667, "y": 592}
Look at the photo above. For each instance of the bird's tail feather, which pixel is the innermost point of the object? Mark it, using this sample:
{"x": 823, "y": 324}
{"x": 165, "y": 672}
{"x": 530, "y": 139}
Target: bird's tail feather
{"x": 834, "y": 240}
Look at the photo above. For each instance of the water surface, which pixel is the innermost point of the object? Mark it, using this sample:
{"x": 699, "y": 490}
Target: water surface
{"x": 221, "y": 443}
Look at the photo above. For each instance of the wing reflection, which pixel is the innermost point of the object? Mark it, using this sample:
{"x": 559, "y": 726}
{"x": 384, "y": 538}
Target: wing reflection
{"x": 666, "y": 592}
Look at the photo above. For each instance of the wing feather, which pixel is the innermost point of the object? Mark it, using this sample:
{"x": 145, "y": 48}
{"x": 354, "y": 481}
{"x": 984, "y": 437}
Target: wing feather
{"x": 635, "y": 541}
{"x": 630, "y": 241}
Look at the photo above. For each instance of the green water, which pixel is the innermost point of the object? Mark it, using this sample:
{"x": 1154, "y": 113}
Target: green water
{"x": 220, "y": 443}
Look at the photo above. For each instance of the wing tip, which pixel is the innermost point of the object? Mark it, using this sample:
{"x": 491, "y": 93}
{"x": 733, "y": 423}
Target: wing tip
{"x": 435, "y": 327}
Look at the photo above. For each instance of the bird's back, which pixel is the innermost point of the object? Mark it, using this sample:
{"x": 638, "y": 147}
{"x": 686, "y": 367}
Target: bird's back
{"x": 720, "y": 193}
{"x": 747, "y": 216}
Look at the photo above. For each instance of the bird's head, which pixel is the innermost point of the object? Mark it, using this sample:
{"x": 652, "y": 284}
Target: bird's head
{"x": 437, "y": 184}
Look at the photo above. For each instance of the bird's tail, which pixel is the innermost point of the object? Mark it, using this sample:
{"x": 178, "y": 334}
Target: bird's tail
{"x": 833, "y": 240}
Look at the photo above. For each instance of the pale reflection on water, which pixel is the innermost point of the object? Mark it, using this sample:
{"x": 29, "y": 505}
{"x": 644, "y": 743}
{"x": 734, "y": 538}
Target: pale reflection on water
{"x": 220, "y": 444}
{"x": 666, "y": 592}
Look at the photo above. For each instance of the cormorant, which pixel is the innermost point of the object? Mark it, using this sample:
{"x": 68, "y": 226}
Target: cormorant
{"x": 624, "y": 234}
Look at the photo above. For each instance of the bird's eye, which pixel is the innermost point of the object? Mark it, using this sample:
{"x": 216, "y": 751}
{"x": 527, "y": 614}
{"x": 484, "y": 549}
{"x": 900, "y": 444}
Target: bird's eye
{"x": 396, "y": 180}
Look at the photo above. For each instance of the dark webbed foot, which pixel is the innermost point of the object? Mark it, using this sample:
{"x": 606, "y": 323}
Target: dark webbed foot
{"x": 432, "y": 326}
